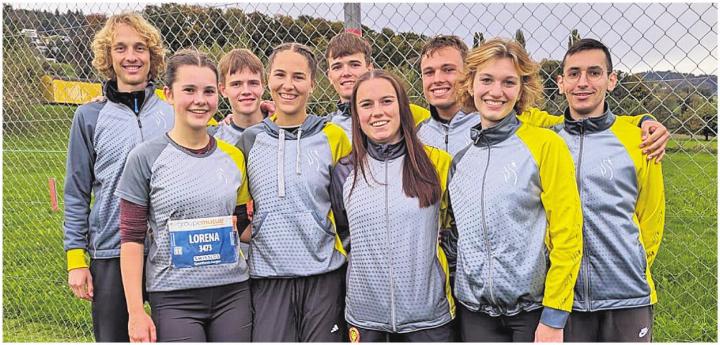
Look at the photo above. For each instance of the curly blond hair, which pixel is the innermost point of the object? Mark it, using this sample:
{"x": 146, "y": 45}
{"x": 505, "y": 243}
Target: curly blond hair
{"x": 102, "y": 42}
{"x": 530, "y": 89}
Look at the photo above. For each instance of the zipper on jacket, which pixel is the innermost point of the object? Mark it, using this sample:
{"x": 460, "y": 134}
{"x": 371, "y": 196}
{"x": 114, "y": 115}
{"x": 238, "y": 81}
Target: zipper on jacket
{"x": 390, "y": 261}
{"x": 485, "y": 228}
{"x": 447, "y": 133}
{"x": 586, "y": 270}
{"x": 142, "y": 138}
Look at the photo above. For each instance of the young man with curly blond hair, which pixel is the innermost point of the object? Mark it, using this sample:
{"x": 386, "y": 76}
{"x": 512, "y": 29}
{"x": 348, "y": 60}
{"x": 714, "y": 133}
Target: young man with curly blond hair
{"x": 129, "y": 52}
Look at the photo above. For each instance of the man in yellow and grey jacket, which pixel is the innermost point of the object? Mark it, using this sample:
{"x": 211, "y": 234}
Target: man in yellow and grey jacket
{"x": 623, "y": 204}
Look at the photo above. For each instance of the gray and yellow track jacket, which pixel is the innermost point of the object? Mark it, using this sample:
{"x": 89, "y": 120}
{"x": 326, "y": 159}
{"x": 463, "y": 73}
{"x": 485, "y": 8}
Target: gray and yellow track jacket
{"x": 519, "y": 222}
{"x": 623, "y": 202}
{"x": 454, "y": 135}
{"x": 289, "y": 177}
{"x": 450, "y": 136}
{"x": 101, "y": 136}
{"x": 343, "y": 118}
{"x": 397, "y": 277}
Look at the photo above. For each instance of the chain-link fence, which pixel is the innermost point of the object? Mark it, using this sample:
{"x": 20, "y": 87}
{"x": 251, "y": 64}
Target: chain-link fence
{"x": 666, "y": 55}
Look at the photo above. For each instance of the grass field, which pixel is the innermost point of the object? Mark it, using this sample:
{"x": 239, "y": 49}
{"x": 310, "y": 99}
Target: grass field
{"x": 38, "y": 306}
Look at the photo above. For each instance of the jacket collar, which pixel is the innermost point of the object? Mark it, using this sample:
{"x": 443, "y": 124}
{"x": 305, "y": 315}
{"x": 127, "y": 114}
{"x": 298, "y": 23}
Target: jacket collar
{"x": 133, "y": 100}
{"x": 383, "y": 152}
{"x": 435, "y": 116}
{"x": 343, "y": 108}
{"x": 496, "y": 134}
{"x": 460, "y": 117}
{"x": 312, "y": 125}
{"x": 591, "y": 124}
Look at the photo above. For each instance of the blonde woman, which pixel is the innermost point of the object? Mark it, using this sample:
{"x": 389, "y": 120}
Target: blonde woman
{"x": 516, "y": 208}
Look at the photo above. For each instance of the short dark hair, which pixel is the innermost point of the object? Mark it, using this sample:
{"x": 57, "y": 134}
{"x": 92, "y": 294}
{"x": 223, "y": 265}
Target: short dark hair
{"x": 443, "y": 41}
{"x": 348, "y": 43}
{"x": 588, "y": 44}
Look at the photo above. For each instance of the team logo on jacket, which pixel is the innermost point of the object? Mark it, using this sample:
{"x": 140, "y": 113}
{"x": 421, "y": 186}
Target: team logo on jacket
{"x": 160, "y": 120}
{"x": 222, "y": 176}
{"x": 510, "y": 173}
{"x": 313, "y": 159}
{"x": 606, "y": 168}
{"x": 354, "y": 334}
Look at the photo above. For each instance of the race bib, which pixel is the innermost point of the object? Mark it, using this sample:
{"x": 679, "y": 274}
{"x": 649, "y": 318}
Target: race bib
{"x": 202, "y": 241}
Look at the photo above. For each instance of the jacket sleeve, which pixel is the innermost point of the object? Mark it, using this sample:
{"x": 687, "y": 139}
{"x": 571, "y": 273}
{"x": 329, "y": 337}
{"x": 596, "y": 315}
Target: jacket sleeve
{"x": 337, "y": 139}
{"x": 563, "y": 209}
{"x": 419, "y": 113}
{"x": 79, "y": 179}
{"x": 448, "y": 234}
{"x": 442, "y": 162}
{"x": 650, "y": 209}
{"x": 563, "y": 236}
{"x": 338, "y": 176}
{"x": 540, "y": 118}
{"x": 636, "y": 120}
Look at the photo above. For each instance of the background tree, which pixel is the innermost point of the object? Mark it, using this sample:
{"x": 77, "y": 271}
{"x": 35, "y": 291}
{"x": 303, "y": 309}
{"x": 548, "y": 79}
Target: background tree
{"x": 478, "y": 39}
{"x": 520, "y": 37}
{"x": 574, "y": 37}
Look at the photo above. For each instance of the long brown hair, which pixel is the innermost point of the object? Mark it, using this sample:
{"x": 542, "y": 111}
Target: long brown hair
{"x": 420, "y": 179}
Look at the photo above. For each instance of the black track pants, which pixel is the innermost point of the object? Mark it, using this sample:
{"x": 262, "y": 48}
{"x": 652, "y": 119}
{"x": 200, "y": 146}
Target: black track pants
{"x": 109, "y": 309}
{"x": 619, "y": 325}
{"x": 305, "y": 309}
{"x": 441, "y": 334}
{"x": 480, "y": 327}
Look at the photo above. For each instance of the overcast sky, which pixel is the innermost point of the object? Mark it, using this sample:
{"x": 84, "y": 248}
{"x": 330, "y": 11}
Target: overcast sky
{"x": 641, "y": 36}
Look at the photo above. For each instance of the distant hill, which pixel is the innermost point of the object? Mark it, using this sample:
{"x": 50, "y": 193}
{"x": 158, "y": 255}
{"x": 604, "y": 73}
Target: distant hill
{"x": 705, "y": 82}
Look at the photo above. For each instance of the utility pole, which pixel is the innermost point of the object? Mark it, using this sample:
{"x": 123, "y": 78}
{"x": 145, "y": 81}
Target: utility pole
{"x": 352, "y": 18}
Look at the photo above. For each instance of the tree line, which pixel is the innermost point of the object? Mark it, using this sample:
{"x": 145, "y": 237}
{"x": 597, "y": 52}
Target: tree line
{"x": 685, "y": 107}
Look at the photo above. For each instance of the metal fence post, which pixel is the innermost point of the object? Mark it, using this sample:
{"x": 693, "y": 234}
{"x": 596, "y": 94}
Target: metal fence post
{"x": 352, "y": 18}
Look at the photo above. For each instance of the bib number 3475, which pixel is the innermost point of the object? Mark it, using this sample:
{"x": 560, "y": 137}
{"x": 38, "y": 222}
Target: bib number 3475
{"x": 202, "y": 241}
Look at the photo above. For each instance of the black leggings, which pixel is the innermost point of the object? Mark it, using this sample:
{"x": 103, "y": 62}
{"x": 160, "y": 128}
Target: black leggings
{"x": 217, "y": 314}
{"x": 480, "y": 327}
{"x": 109, "y": 310}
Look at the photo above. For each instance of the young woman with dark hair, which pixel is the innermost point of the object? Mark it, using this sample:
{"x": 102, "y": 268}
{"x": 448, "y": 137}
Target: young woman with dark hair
{"x": 388, "y": 194}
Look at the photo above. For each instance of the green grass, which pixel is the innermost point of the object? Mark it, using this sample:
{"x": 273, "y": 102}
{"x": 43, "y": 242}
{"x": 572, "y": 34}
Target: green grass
{"x": 38, "y": 305}
{"x": 685, "y": 144}
{"x": 685, "y": 270}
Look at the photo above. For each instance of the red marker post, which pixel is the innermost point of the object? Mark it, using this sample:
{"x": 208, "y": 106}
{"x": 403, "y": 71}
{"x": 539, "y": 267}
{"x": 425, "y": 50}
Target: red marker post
{"x": 53, "y": 194}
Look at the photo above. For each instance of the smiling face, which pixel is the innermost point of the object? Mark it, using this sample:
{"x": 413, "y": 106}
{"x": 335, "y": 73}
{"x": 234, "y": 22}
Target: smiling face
{"x": 243, "y": 90}
{"x": 585, "y": 82}
{"x": 194, "y": 96}
{"x": 344, "y": 71}
{"x": 378, "y": 111}
{"x": 495, "y": 90}
{"x": 130, "y": 58}
{"x": 440, "y": 70}
{"x": 290, "y": 82}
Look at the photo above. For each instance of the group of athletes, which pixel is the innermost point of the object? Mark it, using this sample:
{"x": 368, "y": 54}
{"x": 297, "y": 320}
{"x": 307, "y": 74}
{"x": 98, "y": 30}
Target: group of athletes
{"x": 369, "y": 223}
